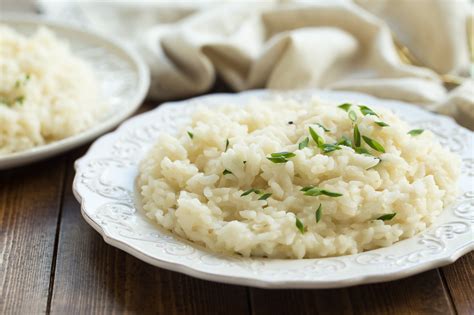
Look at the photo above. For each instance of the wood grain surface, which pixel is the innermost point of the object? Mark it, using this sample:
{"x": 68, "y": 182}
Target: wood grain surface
{"x": 52, "y": 261}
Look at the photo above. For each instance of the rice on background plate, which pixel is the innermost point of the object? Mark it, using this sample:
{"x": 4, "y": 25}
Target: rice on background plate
{"x": 288, "y": 179}
{"x": 46, "y": 93}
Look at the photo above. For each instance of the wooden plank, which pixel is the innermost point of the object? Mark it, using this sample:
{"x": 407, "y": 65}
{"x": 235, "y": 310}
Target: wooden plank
{"x": 420, "y": 294}
{"x": 460, "y": 282}
{"x": 93, "y": 277}
{"x": 311, "y": 302}
{"x": 30, "y": 200}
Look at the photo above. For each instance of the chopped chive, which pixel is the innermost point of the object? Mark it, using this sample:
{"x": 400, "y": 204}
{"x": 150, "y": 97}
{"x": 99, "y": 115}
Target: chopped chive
{"x": 357, "y": 141}
{"x": 17, "y": 84}
{"x": 319, "y": 213}
{"x": 367, "y": 111}
{"x": 303, "y": 144}
{"x": 226, "y": 171}
{"x": 306, "y": 188}
{"x": 265, "y": 196}
{"x": 374, "y": 144}
{"x": 382, "y": 124}
{"x": 415, "y": 132}
{"x": 387, "y": 217}
{"x": 248, "y": 192}
{"x": 352, "y": 115}
{"x": 345, "y": 106}
{"x": 285, "y": 155}
{"x": 190, "y": 134}
{"x": 330, "y": 147}
{"x": 226, "y": 145}
{"x": 277, "y": 160}
{"x": 315, "y": 191}
{"x": 27, "y": 77}
{"x": 299, "y": 225}
{"x": 324, "y": 128}
{"x": 362, "y": 151}
{"x": 345, "y": 141}
{"x": 319, "y": 141}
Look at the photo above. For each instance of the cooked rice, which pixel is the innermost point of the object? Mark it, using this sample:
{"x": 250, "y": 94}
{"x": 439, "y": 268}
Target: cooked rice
{"x": 46, "y": 93}
{"x": 183, "y": 188}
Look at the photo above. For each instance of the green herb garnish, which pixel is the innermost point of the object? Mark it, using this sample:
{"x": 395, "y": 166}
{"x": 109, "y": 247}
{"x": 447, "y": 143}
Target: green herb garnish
{"x": 374, "y": 144}
{"x": 352, "y": 115}
{"x": 190, "y": 134}
{"x": 299, "y": 225}
{"x": 415, "y": 132}
{"x": 248, "y": 192}
{"x": 280, "y": 157}
{"x": 245, "y": 162}
{"x": 286, "y": 155}
{"x": 277, "y": 159}
{"x": 324, "y": 128}
{"x": 387, "y": 217}
{"x": 265, "y": 196}
{"x": 367, "y": 111}
{"x": 362, "y": 151}
{"x": 315, "y": 191}
{"x": 303, "y": 144}
{"x": 357, "y": 141}
{"x": 319, "y": 140}
{"x": 345, "y": 106}
{"x": 319, "y": 213}
{"x": 226, "y": 145}
{"x": 330, "y": 147}
{"x": 226, "y": 171}
{"x": 382, "y": 124}
{"x": 345, "y": 141}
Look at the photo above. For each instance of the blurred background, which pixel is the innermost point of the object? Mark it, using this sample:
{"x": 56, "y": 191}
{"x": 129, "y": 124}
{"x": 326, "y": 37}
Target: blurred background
{"x": 418, "y": 51}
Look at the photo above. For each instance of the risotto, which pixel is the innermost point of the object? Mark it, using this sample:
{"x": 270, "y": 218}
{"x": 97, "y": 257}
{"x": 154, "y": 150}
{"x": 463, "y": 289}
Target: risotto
{"x": 287, "y": 179}
{"x": 46, "y": 93}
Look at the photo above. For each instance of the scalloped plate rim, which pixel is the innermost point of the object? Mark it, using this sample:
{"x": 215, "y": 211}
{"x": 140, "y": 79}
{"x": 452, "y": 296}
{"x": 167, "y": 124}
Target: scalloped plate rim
{"x": 399, "y": 273}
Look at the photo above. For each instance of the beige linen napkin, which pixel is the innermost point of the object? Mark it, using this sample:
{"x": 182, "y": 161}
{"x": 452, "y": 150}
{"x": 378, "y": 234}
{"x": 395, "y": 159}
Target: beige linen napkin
{"x": 320, "y": 44}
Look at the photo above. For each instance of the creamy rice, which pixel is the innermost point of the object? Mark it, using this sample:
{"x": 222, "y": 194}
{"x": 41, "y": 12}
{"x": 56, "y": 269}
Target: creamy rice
{"x": 194, "y": 186}
{"x": 46, "y": 93}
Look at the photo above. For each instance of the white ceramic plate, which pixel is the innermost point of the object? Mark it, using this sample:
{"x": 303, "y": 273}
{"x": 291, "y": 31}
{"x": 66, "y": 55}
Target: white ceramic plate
{"x": 104, "y": 184}
{"x": 123, "y": 77}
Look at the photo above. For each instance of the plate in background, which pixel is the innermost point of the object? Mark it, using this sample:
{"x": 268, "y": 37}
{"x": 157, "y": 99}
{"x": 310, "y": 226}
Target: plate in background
{"x": 123, "y": 77}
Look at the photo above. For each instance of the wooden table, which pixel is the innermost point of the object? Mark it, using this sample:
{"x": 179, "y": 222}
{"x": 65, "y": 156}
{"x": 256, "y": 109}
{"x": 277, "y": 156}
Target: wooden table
{"x": 52, "y": 261}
